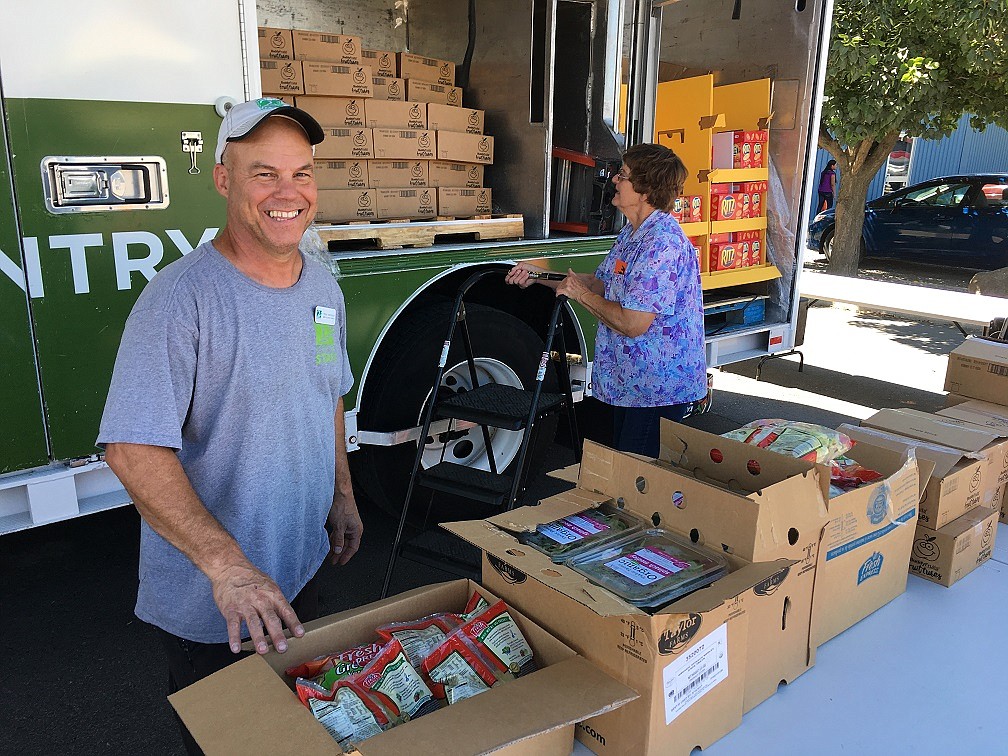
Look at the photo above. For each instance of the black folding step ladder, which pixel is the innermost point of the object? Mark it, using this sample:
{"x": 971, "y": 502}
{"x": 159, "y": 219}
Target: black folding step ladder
{"x": 490, "y": 405}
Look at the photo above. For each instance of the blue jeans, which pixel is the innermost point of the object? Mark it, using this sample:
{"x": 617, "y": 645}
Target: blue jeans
{"x": 636, "y": 429}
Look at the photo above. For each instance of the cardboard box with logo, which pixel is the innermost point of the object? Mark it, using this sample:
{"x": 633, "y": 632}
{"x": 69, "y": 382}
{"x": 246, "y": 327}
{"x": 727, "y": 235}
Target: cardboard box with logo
{"x": 341, "y": 143}
{"x": 406, "y": 203}
{"x": 987, "y": 415}
{"x": 275, "y": 44}
{"x": 451, "y": 173}
{"x": 328, "y": 48}
{"x": 450, "y": 118}
{"x": 425, "y": 91}
{"x": 947, "y": 555}
{"x": 968, "y": 460}
{"x": 688, "y": 661}
{"x": 337, "y": 80}
{"x": 338, "y": 205}
{"x": 389, "y": 174}
{"x": 464, "y": 202}
{"x": 397, "y": 144}
{"x": 249, "y": 706}
{"x": 978, "y": 369}
{"x": 382, "y": 62}
{"x": 387, "y": 88}
{"x": 281, "y": 77}
{"x": 426, "y": 69}
{"x": 465, "y": 148}
{"x": 347, "y": 112}
{"x": 342, "y": 174}
{"x": 396, "y": 114}
{"x": 863, "y": 537}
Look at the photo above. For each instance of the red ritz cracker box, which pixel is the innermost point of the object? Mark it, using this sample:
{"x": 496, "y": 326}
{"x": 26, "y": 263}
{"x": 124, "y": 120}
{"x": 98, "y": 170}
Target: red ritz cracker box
{"x": 756, "y": 193}
{"x": 725, "y": 204}
{"x": 748, "y": 148}
{"x": 677, "y": 209}
{"x": 696, "y": 245}
{"x": 752, "y": 248}
{"x": 695, "y": 214}
{"x": 724, "y": 256}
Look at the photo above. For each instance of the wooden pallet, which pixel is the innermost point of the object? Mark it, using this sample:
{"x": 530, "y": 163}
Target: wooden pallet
{"x": 424, "y": 233}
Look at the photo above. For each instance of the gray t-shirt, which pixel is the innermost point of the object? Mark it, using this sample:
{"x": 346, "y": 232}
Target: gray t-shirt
{"x": 243, "y": 381}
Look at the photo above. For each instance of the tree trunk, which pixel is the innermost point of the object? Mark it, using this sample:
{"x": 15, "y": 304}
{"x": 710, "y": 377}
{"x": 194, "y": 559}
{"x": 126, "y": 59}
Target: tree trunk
{"x": 858, "y": 165}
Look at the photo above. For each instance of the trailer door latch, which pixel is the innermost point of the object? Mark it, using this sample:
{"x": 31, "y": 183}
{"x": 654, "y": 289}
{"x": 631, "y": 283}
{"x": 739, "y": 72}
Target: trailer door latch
{"x": 192, "y": 142}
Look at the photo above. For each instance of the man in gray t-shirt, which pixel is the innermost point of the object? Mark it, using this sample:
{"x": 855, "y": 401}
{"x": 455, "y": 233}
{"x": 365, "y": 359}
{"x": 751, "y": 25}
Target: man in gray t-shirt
{"x": 224, "y": 419}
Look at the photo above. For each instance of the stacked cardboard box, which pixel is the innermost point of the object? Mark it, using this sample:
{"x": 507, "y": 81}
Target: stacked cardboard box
{"x": 399, "y": 144}
{"x": 967, "y": 443}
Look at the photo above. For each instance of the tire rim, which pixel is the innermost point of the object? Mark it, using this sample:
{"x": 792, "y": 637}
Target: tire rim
{"x": 469, "y": 450}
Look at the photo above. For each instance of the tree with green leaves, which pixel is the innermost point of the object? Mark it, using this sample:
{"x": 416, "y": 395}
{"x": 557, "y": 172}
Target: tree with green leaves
{"x": 911, "y": 66}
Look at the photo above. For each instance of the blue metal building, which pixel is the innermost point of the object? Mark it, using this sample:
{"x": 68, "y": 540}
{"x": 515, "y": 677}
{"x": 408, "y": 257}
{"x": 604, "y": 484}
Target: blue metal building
{"x": 966, "y": 150}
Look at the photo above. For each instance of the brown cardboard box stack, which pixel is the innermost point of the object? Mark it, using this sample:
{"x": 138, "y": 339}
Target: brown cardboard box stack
{"x": 967, "y": 442}
{"x": 399, "y": 145}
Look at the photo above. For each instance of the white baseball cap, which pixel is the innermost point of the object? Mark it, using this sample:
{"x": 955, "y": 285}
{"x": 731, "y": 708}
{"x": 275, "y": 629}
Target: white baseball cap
{"x": 244, "y": 118}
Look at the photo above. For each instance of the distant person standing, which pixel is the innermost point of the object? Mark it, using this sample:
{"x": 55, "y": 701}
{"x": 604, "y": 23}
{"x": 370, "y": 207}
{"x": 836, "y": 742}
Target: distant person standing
{"x": 827, "y": 187}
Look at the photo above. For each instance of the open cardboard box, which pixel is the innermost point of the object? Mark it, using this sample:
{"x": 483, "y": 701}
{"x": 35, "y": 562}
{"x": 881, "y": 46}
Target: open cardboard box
{"x": 989, "y": 415}
{"x": 859, "y": 541}
{"x": 250, "y": 706}
{"x": 688, "y": 661}
{"x": 967, "y": 469}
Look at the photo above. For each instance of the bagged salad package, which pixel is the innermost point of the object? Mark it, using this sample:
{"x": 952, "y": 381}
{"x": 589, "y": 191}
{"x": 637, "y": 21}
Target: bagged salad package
{"x": 570, "y": 536}
{"x": 416, "y": 667}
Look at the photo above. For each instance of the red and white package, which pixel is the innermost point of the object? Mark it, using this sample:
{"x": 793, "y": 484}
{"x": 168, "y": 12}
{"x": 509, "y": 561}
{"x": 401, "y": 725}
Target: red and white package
{"x": 360, "y": 656}
{"x": 352, "y": 715}
{"x": 476, "y": 605}
{"x": 397, "y": 684}
{"x": 420, "y": 637}
{"x": 496, "y": 636}
{"x": 457, "y": 670}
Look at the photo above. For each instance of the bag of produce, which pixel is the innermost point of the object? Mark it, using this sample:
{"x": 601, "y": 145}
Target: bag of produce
{"x": 814, "y": 443}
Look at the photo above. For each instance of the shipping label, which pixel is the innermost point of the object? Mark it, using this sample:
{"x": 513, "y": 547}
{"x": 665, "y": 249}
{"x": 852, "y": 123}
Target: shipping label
{"x": 689, "y": 678}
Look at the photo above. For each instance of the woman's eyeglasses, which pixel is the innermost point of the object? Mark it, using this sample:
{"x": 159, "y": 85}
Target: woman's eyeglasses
{"x": 621, "y": 176}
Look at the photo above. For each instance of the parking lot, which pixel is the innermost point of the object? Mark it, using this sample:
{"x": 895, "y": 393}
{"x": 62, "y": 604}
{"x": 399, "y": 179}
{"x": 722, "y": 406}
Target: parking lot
{"x": 67, "y": 599}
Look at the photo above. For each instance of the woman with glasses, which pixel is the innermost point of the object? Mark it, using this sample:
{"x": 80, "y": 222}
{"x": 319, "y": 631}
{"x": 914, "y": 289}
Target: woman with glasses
{"x": 649, "y": 351}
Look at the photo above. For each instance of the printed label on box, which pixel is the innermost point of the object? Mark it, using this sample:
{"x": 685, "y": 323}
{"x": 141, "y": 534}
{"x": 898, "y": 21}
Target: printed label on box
{"x": 572, "y": 528}
{"x": 646, "y": 566}
{"x": 686, "y": 680}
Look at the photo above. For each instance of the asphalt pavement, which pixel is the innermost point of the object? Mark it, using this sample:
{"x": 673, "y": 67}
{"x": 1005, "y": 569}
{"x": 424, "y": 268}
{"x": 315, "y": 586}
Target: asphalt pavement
{"x": 80, "y": 674}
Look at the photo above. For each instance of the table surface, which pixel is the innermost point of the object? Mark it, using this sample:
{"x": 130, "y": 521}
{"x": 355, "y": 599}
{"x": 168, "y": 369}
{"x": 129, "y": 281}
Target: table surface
{"x": 924, "y": 674}
{"x": 938, "y": 304}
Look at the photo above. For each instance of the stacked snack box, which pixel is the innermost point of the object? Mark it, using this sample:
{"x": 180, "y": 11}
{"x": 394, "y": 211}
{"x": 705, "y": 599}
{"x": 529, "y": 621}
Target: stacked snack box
{"x": 737, "y": 201}
{"x": 399, "y": 143}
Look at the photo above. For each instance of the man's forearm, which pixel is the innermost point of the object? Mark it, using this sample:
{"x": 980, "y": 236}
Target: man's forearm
{"x": 344, "y": 486}
{"x": 162, "y": 493}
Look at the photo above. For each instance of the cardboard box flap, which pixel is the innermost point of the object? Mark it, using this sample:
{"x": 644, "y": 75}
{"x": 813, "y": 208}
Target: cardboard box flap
{"x": 225, "y": 727}
{"x": 723, "y": 460}
{"x": 966, "y": 522}
{"x": 942, "y": 457}
{"x": 889, "y": 462}
{"x": 559, "y": 695}
{"x": 569, "y": 473}
{"x": 735, "y": 582}
{"x": 934, "y": 429}
{"x": 517, "y": 562}
{"x": 526, "y": 519}
{"x": 991, "y": 416}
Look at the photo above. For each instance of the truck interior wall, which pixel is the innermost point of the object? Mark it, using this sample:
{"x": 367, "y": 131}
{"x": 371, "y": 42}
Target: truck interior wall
{"x": 771, "y": 39}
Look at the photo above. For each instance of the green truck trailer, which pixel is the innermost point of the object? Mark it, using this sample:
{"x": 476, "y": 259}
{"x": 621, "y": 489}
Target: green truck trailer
{"x": 110, "y": 112}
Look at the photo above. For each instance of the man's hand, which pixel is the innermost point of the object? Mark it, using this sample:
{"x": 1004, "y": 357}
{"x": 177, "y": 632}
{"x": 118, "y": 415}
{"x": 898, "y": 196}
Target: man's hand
{"x": 244, "y": 593}
{"x": 345, "y": 529}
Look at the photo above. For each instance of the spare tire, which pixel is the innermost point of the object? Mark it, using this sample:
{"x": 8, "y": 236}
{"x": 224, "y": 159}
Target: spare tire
{"x": 505, "y": 350}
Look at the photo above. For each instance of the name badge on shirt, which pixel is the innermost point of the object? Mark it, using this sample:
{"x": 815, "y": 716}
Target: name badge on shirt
{"x": 325, "y": 315}
{"x": 619, "y": 268}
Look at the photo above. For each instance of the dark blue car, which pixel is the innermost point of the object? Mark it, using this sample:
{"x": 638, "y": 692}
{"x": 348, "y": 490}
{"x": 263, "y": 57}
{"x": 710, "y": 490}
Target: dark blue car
{"x": 958, "y": 221}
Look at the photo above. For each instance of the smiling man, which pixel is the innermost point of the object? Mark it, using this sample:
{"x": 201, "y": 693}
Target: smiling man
{"x": 224, "y": 419}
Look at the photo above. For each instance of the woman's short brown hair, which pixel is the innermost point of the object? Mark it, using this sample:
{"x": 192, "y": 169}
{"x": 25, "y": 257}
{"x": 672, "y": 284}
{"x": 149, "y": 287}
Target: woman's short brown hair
{"x": 657, "y": 173}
